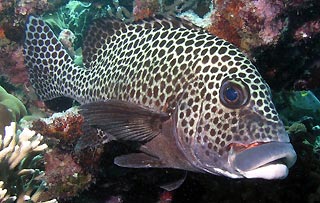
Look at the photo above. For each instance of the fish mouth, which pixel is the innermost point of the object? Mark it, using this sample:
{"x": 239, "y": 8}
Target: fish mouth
{"x": 263, "y": 160}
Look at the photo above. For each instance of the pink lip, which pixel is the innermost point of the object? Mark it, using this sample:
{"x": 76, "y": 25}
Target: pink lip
{"x": 237, "y": 147}
{"x": 253, "y": 156}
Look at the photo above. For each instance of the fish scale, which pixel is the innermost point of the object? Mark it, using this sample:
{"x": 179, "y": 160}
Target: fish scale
{"x": 214, "y": 96}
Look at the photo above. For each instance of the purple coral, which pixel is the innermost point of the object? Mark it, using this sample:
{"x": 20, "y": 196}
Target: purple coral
{"x": 26, "y": 7}
{"x": 12, "y": 64}
{"x": 267, "y": 12}
{"x": 307, "y": 30}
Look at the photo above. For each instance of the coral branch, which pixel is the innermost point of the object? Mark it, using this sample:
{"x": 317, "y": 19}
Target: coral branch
{"x": 19, "y": 157}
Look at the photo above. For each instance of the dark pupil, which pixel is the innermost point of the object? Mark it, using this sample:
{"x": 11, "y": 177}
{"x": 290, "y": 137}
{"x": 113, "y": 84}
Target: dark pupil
{"x": 231, "y": 94}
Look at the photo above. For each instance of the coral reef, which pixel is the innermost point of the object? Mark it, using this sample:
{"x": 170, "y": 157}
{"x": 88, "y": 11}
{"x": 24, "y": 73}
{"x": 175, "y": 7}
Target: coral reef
{"x": 20, "y": 155}
{"x": 12, "y": 19}
{"x": 12, "y": 64}
{"x": 5, "y": 4}
{"x": 310, "y": 79}
{"x": 204, "y": 22}
{"x": 293, "y": 105}
{"x": 74, "y": 16}
{"x": 13, "y": 72}
{"x": 26, "y": 7}
{"x": 297, "y": 128}
{"x": 67, "y": 38}
{"x": 65, "y": 127}
{"x": 143, "y": 9}
{"x": 146, "y": 8}
{"x": 115, "y": 10}
{"x": 292, "y": 62}
{"x": 65, "y": 177}
{"x": 282, "y": 37}
{"x": 248, "y": 24}
{"x": 14, "y": 13}
{"x": 66, "y": 172}
{"x": 307, "y": 30}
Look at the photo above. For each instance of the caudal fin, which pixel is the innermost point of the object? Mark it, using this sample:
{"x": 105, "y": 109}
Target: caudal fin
{"x": 49, "y": 64}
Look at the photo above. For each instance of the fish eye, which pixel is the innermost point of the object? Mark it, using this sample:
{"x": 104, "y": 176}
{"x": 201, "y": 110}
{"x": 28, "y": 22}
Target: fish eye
{"x": 233, "y": 93}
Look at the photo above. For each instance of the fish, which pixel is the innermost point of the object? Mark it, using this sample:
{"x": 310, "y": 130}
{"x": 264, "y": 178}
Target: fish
{"x": 187, "y": 99}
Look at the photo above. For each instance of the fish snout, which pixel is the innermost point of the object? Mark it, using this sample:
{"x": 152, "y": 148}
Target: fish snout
{"x": 265, "y": 160}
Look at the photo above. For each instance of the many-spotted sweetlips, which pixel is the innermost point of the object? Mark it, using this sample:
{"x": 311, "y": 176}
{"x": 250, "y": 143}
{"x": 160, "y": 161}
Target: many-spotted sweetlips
{"x": 188, "y": 99}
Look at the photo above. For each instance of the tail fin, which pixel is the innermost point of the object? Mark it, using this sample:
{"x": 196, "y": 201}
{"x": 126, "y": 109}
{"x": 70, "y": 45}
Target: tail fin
{"x": 49, "y": 64}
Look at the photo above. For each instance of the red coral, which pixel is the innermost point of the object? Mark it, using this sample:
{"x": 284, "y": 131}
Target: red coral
{"x": 65, "y": 129}
{"x": 166, "y": 197}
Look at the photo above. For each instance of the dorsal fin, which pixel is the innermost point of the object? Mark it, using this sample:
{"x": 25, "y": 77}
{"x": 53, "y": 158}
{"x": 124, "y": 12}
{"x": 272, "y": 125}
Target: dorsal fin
{"x": 101, "y": 31}
{"x": 97, "y": 36}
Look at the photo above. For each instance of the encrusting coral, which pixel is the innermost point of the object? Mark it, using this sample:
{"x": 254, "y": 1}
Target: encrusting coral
{"x": 12, "y": 64}
{"x": 20, "y": 154}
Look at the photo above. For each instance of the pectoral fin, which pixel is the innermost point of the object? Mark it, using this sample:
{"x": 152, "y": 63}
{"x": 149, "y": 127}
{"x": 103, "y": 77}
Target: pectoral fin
{"x": 142, "y": 160}
{"x": 124, "y": 120}
{"x": 152, "y": 131}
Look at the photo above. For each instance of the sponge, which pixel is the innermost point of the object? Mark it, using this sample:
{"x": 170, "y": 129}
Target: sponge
{"x": 11, "y": 109}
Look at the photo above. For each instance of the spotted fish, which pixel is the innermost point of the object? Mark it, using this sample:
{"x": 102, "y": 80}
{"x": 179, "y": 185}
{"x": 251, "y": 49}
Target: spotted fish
{"x": 190, "y": 100}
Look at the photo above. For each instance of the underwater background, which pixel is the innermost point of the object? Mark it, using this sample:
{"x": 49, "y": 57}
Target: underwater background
{"x": 281, "y": 37}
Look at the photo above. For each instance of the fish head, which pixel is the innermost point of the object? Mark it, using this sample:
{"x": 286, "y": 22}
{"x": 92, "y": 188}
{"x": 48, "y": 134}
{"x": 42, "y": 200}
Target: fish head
{"x": 227, "y": 124}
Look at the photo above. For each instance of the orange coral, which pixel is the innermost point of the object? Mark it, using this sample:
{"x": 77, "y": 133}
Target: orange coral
{"x": 226, "y": 20}
{"x": 144, "y": 9}
{"x": 143, "y": 13}
{"x": 2, "y": 34}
